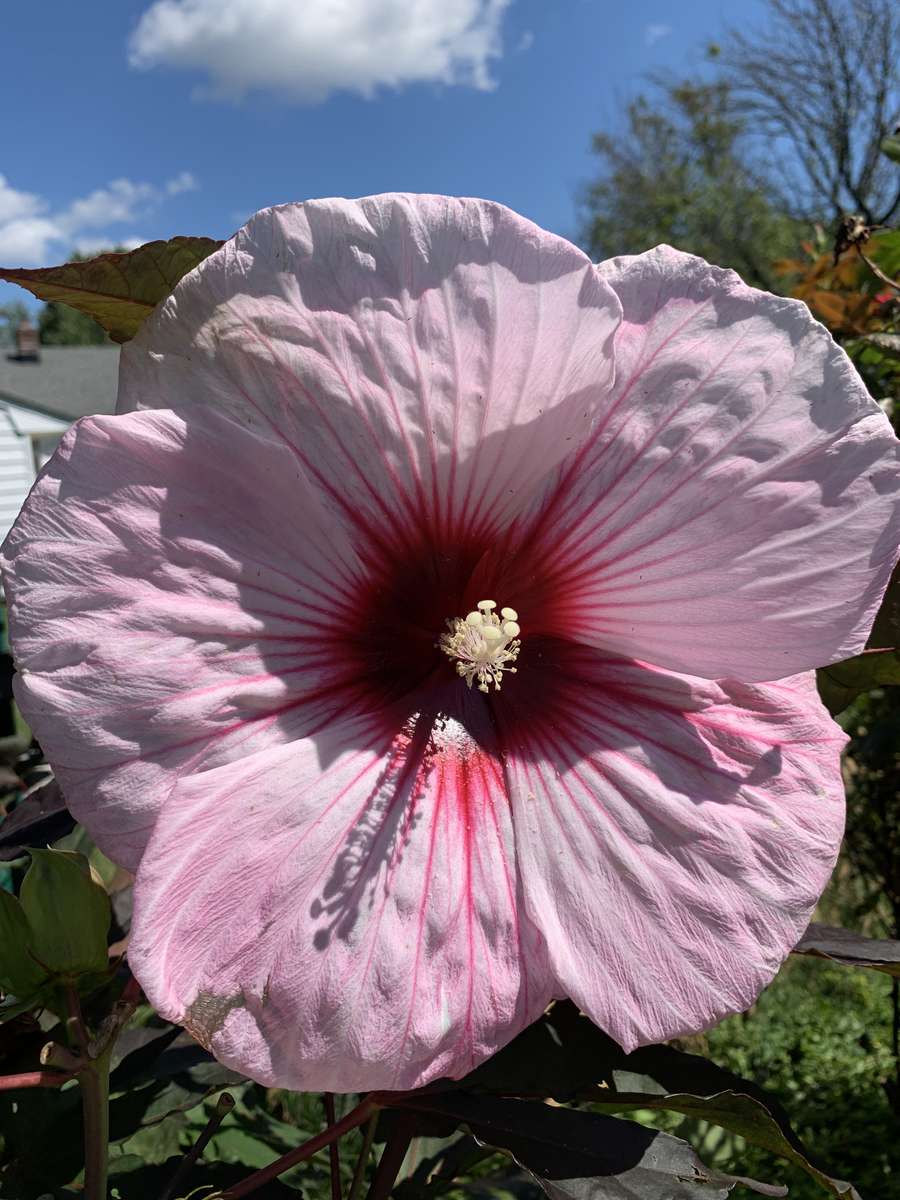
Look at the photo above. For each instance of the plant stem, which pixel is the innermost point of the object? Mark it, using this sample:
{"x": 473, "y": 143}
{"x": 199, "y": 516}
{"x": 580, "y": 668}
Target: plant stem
{"x": 94, "y": 1083}
{"x": 224, "y": 1105}
{"x": 392, "y": 1159}
{"x": 75, "y": 1027}
{"x": 895, "y": 1032}
{"x": 354, "y": 1118}
{"x": 35, "y": 1079}
{"x": 877, "y": 271}
{"x": 334, "y": 1160}
{"x": 359, "y": 1173}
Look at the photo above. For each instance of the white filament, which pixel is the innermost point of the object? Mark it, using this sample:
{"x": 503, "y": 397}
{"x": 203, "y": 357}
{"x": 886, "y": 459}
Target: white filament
{"x": 482, "y": 644}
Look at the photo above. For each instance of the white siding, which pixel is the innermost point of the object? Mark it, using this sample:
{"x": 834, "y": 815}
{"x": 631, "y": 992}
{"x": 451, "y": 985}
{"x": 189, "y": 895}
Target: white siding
{"x": 31, "y": 423}
{"x": 16, "y": 471}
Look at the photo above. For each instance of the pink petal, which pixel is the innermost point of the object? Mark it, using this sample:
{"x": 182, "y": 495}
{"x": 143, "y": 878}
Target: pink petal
{"x": 170, "y": 590}
{"x": 341, "y": 913}
{"x": 427, "y": 359}
{"x": 737, "y": 513}
{"x": 673, "y": 834}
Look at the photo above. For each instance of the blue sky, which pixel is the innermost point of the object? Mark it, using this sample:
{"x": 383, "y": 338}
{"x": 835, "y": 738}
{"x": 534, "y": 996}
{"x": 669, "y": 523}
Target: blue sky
{"x": 127, "y": 120}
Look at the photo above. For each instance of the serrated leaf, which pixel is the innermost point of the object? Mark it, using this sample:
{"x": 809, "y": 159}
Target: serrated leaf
{"x": 565, "y": 1056}
{"x": 41, "y": 818}
{"x": 840, "y": 683}
{"x": 168, "y": 1073}
{"x": 577, "y": 1155}
{"x": 118, "y": 290}
{"x": 132, "y": 1179}
{"x": 850, "y": 949}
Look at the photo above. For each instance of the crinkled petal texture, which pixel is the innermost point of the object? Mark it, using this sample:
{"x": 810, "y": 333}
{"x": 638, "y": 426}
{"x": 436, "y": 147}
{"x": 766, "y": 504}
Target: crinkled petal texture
{"x": 355, "y": 379}
{"x": 736, "y": 511}
{"x": 388, "y": 943}
{"x": 351, "y": 423}
{"x": 428, "y": 359}
{"x": 673, "y": 835}
{"x": 170, "y": 584}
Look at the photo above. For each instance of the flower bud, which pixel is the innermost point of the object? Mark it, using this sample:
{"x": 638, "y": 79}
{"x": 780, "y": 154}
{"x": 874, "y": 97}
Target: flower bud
{"x": 68, "y": 913}
{"x": 20, "y": 975}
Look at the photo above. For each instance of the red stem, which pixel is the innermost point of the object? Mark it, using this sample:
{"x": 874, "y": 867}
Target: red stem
{"x": 35, "y": 1079}
{"x": 392, "y": 1158}
{"x": 131, "y": 993}
{"x": 357, "y": 1116}
{"x": 334, "y": 1160}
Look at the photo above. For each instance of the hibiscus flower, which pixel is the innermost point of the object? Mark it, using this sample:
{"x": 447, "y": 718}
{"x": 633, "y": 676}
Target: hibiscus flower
{"x": 408, "y": 631}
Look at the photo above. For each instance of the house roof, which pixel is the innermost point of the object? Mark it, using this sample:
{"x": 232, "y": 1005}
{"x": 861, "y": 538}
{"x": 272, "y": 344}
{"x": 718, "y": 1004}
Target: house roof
{"x": 68, "y": 382}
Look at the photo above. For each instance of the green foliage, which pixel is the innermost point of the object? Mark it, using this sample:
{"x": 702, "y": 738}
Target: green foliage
{"x": 54, "y": 932}
{"x": 675, "y": 174}
{"x": 820, "y": 1038}
{"x": 873, "y": 807}
{"x": 578, "y": 1155}
{"x": 60, "y": 325}
{"x": 891, "y": 146}
{"x": 841, "y": 683}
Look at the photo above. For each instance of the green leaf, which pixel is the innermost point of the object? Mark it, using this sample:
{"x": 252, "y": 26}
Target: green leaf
{"x": 891, "y": 146}
{"x": 118, "y": 290}
{"x": 132, "y": 1179}
{"x": 564, "y": 1056}
{"x": 740, "y": 1114}
{"x": 168, "y": 1074}
{"x": 68, "y": 913}
{"x": 840, "y": 683}
{"x": 850, "y": 949}
{"x": 20, "y": 976}
{"x": 886, "y": 630}
{"x": 577, "y": 1155}
{"x": 43, "y": 1144}
{"x": 884, "y": 249}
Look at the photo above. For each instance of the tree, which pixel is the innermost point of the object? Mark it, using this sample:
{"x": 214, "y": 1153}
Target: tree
{"x": 677, "y": 174}
{"x": 820, "y": 82}
{"x": 59, "y": 325}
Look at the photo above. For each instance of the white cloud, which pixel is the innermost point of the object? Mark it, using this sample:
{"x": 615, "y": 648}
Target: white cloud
{"x": 32, "y": 235}
{"x": 184, "y": 181}
{"x": 120, "y": 201}
{"x": 25, "y": 229}
{"x": 93, "y": 246}
{"x": 525, "y": 42}
{"x": 25, "y": 242}
{"x": 308, "y": 49}
{"x": 15, "y": 205}
{"x": 656, "y": 33}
